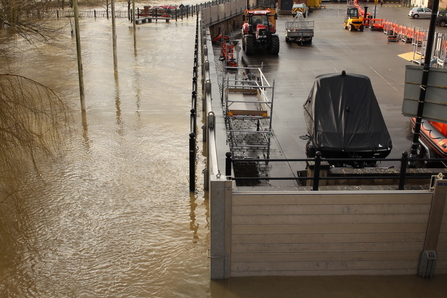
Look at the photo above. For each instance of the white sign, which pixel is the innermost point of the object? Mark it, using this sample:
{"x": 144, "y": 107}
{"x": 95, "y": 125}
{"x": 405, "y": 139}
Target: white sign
{"x": 435, "y": 105}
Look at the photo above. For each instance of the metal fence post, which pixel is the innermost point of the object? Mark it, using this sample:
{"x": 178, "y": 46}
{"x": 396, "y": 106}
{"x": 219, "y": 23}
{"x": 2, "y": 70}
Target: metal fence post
{"x": 192, "y": 161}
{"x": 403, "y": 170}
{"x": 317, "y": 170}
{"x": 228, "y": 164}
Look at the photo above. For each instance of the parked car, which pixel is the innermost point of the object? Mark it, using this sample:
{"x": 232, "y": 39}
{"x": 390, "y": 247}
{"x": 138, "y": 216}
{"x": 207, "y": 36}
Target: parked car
{"x": 300, "y": 7}
{"x": 441, "y": 19}
{"x": 420, "y": 12}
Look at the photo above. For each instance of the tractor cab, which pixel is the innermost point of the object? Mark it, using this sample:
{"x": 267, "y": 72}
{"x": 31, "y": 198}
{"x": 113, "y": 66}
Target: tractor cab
{"x": 256, "y": 20}
{"x": 259, "y": 31}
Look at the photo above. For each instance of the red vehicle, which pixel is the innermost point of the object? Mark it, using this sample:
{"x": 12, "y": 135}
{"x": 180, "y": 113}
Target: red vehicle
{"x": 259, "y": 32}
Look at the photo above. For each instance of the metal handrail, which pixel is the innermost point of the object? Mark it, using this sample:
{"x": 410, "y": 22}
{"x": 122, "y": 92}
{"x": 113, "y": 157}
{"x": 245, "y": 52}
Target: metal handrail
{"x": 401, "y": 176}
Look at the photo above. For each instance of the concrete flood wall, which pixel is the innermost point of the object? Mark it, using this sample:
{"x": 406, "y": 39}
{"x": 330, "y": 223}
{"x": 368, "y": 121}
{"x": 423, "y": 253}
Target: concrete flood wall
{"x": 294, "y": 233}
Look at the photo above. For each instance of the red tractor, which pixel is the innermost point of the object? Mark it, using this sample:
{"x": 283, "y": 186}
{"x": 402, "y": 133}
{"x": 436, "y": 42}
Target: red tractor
{"x": 259, "y": 31}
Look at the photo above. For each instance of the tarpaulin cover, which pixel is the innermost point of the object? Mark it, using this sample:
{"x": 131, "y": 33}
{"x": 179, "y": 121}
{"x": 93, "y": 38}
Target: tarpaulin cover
{"x": 342, "y": 114}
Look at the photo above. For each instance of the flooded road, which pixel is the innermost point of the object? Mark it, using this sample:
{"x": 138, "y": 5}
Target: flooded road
{"x": 111, "y": 215}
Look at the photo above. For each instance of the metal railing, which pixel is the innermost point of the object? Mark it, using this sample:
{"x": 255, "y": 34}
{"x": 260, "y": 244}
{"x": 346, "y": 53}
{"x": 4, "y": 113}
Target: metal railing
{"x": 193, "y": 115}
{"x": 401, "y": 175}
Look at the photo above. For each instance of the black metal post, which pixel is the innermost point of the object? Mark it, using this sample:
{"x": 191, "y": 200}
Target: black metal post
{"x": 424, "y": 81}
{"x": 193, "y": 121}
{"x": 192, "y": 162}
{"x": 403, "y": 170}
{"x": 228, "y": 164}
{"x": 317, "y": 170}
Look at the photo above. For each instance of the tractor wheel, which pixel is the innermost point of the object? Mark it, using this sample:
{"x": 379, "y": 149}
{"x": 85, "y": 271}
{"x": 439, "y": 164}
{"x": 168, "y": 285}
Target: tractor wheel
{"x": 249, "y": 47}
{"x": 274, "y": 47}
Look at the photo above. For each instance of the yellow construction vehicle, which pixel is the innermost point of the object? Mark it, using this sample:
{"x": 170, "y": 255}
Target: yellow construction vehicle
{"x": 353, "y": 20}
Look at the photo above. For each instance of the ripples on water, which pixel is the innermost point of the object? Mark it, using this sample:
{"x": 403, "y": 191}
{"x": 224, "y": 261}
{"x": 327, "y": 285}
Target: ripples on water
{"x": 113, "y": 216}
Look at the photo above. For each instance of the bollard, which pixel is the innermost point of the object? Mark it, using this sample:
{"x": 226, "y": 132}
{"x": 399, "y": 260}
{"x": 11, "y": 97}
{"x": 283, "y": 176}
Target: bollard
{"x": 228, "y": 164}
{"x": 317, "y": 170}
{"x": 403, "y": 170}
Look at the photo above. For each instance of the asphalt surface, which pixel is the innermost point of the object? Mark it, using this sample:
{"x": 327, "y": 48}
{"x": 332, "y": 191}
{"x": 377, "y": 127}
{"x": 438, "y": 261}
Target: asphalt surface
{"x": 332, "y": 50}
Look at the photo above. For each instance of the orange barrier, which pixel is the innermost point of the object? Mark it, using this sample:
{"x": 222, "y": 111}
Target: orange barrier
{"x": 377, "y": 24}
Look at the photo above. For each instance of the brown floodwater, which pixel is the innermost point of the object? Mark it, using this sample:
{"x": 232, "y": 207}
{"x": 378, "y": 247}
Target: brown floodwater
{"x": 111, "y": 215}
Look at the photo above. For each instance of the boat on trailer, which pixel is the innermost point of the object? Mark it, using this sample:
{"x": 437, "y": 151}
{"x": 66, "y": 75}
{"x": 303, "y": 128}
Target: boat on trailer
{"x": 344, "y": 120}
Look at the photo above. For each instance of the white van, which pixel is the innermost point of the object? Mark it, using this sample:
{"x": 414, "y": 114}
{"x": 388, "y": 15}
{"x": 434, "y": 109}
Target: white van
{"x": 301, "y": 7}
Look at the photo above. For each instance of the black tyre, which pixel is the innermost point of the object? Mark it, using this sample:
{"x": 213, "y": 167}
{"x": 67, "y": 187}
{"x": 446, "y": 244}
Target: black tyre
{"x": 248, "y": 45}
{"x": 442, "y": 23}
{"x": 274, "y": 48}
{"x": 415, "y": 16}
{"x": 310, "y": 150}
{"x": 351, "y": 28}
{"x": 361, "y": 28}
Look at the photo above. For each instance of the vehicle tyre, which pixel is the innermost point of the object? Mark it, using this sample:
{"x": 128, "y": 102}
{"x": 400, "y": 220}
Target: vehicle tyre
{"x": 249, "y": 47}
{"x": 310, "y": 40}
{"x": 442, "y": 23}
{"x": 351, "y": 28}
{"x": 287, "y": 39}
{"x": 361, "y": 28}
{"x": 274, "y": 47}
{"x": 310, "y": 150}
{"x": 415, "y": 16}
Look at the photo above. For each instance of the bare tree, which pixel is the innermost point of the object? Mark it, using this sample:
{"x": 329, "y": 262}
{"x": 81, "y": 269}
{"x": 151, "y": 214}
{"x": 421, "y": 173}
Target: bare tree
{"x": 31, "y": 118}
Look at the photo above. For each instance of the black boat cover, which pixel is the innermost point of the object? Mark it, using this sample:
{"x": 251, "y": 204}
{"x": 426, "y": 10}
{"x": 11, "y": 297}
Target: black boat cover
{"x": 342, "y": 114}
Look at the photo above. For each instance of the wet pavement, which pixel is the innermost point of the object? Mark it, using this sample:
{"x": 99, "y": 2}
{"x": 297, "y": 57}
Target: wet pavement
{"x": 332, "y": 50}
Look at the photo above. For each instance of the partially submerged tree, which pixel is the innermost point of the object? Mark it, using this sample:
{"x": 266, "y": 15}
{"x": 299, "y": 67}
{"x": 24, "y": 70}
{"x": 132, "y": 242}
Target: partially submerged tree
{"x": 31, "y": 116}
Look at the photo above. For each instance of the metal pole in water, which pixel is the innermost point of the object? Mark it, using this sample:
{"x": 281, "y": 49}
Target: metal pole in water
{"x": 78, "y": 51}
{"x": 115, "y": 60}
{"x": 134, "y": 22}
{"x": 192, "y": 161}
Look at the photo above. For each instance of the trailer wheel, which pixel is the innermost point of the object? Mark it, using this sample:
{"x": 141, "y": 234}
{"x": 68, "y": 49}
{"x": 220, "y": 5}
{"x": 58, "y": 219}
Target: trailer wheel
{"x": 310, "y": 40}
{"x": 249, "y": 47}
{"x": 310, "y": 149}
{"x": 274, "y": 48}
